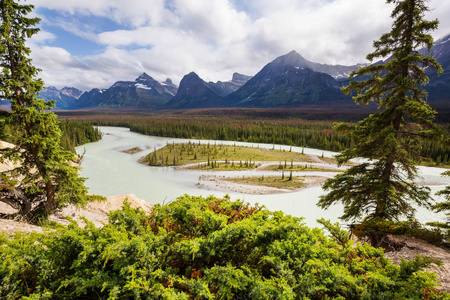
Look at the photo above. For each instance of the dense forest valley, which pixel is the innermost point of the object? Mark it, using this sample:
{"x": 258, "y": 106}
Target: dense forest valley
{"x": 303, "y": 128}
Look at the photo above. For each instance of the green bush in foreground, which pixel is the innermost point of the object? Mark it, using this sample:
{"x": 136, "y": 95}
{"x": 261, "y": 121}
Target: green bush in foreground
{"x": 197, "y": 248}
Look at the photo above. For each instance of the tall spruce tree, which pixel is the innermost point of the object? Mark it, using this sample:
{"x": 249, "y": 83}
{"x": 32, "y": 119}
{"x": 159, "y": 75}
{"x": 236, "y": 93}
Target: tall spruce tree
{"x": 389, "y": 140}
{"x": 44, "y": 178}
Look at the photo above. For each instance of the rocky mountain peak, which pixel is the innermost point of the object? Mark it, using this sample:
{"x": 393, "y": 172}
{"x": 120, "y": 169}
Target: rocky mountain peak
{"x": 71, "y": 92}
{"x": 441, "y": 51}
{"x": 240, "y": 78}
{"x": 144, "y": 77}
{"x": 292, "y": 59}
{"x": 444, "y": 40}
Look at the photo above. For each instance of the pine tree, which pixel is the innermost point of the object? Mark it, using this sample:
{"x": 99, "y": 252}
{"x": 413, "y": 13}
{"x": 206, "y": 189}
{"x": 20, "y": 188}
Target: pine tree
{"x": 390, "y": 140}
{"x": 45, "y": 179}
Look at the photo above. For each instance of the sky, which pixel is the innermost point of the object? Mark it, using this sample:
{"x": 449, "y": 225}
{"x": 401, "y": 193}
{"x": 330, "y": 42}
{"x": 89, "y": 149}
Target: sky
{"x": 93, "y": 43}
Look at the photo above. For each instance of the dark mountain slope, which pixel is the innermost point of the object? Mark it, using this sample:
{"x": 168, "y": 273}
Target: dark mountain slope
{"x": 144, "y": 92}
{"x": 287, "y": 81}
{"x": 439, "y": 85}
{"x": 195, "y": 93}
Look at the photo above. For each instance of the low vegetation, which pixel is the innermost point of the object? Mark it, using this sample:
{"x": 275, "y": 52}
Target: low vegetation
{"x": 205, "y": 248}
{"x": 285, "y": 166}
{"x": 287, "y": 181}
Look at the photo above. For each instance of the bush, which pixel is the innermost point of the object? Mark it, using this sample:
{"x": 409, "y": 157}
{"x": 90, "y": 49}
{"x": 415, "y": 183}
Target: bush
{"x": 378, "y": 228}
{"x": 204, "y": 248}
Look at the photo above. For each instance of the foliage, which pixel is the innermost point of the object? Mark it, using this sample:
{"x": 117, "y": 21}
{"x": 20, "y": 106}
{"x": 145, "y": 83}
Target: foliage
{"x": 44, "y": 179}
{"x": 76, "y": 133}
{"x": 280, "y": 182}
{"x": 73, "y": 132}
{"x": 390, "y": 140}
{"x": 376, "y": 229}
{"x": 204, "y": 248}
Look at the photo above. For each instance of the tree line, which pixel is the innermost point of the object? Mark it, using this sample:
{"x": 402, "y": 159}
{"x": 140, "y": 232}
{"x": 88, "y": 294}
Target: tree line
{"x": 73, "y": 132}
{"x": 292, "y": 131}
{"x": 76, "y": 133}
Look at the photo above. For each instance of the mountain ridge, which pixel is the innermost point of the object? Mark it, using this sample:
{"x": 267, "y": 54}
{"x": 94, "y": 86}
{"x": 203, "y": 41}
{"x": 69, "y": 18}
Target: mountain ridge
{"x": 289, "y": 80}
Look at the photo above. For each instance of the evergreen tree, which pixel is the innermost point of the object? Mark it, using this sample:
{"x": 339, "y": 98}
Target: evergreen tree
{"x": 389, "y": 140}
{"x": 45, "y": 180}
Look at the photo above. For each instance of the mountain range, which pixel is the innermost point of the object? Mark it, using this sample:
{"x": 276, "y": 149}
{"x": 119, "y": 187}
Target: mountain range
{"x": 64, "y": 98}
{"x": 144, "y": 92}
{"x": 288, "y": 81}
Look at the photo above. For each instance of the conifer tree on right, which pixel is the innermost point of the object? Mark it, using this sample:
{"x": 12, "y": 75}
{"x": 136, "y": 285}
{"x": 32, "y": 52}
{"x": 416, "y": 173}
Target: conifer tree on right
{"x": 389, "y": 141}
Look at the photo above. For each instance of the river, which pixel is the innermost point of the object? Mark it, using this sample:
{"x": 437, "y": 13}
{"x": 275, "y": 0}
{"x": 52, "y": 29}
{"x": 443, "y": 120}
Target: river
{"x": 112, "y": 172}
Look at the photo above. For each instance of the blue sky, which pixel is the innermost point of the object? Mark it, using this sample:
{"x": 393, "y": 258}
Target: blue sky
{"x": 93, "y": 43}
{"x": 64, "y": 27}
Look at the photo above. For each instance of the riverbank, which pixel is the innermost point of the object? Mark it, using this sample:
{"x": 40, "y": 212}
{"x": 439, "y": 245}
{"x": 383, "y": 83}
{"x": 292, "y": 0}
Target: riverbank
{"x": 257, "y": 186}
{"x": 281, "y": 164}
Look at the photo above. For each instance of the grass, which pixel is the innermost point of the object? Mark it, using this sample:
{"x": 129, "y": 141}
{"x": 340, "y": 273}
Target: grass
{"x": 289, "y": 166}
{"x": 271, "y": 181}
{"x": 226, "y": 166}
{"x": 215, "y": 156}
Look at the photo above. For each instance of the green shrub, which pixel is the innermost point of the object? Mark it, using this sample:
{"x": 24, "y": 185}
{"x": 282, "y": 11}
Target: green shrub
{"x": 204, "y": 248}
{"x": 379, "y": 228}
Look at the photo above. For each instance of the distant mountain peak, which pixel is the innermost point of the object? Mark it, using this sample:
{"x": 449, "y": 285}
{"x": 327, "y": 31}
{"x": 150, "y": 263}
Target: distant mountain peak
{"x": 194, "y": 92}
{"x": 240, "y": 78}
{"x": 192, "y": 75}
{"x": 292, "y": 59}
{"x": 443, "y": 40}
{"x": 144, "y": 92}
{"x": 144, "y": 77}
{"x": 64, "y": 97}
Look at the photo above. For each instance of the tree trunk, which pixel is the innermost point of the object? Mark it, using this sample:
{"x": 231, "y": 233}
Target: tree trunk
{"x": 16, "y": 199}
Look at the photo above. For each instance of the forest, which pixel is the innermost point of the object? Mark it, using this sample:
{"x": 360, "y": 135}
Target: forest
{"x": 253, "y": 128}
{"x": 74, "y": 133}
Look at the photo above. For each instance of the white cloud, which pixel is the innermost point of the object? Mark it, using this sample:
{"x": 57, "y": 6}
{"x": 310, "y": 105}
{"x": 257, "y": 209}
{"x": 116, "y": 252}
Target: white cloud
{"x": 214, "y": 38}
{"x": 216, "y": 21}
{"x": 132, "y": 12}
{"x": 43, "y": 37}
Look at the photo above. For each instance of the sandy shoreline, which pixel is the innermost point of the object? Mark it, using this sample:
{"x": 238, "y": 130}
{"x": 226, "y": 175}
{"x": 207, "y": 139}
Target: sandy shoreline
{"x": 220, "y": 184}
